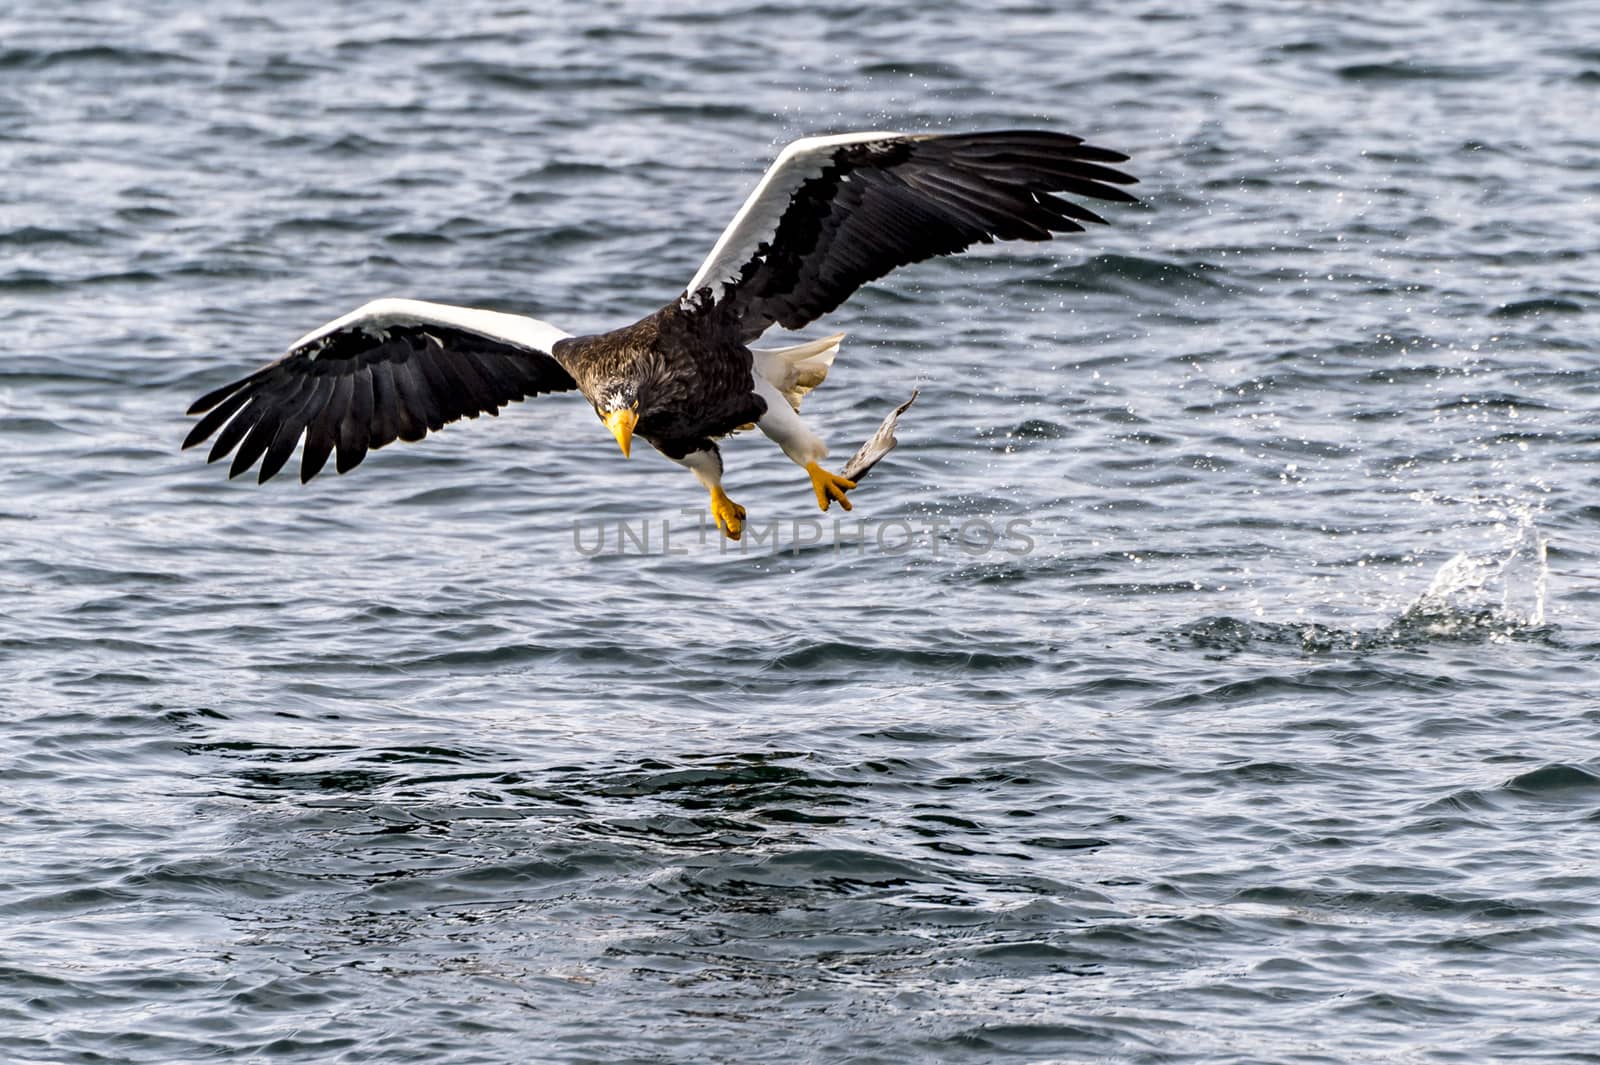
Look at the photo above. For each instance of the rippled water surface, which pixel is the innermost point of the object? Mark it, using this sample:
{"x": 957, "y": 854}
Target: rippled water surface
{"x": 1272, "y": 737}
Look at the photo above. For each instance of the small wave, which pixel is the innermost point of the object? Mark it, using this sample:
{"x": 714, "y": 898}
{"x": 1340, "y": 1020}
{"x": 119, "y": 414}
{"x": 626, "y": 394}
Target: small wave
{"x": 29, "y": 235}
{"x": 208, "y": 876}
{"x": 1418, "y": 628}
{"x": 1397, "y": 1008}
{"x": 838, "y": 866}
{"x": 1556, "y": 782}
{"x": 701, "y": 111}
{"x": 31, "y": 281}
{"x": 925, "y": 69}
{"x": 1537, "y": 308}
{"x": 834, "y": 653}
{"x": 76, "y": 900}
{"x": 1405, "y": 903}
{"x": 526, "y": 79}
{"x": 1134, "y": 273}
{"x": 1038, "y": 429}
{"x": 94, "y": 55}
{"x": 503, "y": 655}
{"x": 565, "y": 170}
{"x": 360, "y": 781}
{"x": 1013, "y": 1040}
{"x": 1407, "y": 70}
{"x": 1491, "y": 400}
{"x": 433, "y": 887}
{"x": 708, "y": 779}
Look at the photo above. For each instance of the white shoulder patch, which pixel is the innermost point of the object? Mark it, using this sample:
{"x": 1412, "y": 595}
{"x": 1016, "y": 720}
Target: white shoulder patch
{"x": 383, "y": 314}
{"x": 757, "y": 221}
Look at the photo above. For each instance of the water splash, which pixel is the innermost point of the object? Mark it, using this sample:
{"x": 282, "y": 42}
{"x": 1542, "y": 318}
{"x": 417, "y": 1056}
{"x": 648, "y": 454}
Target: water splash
{"x": 1488, "y": 592}
{"x": 1492, "y": 597}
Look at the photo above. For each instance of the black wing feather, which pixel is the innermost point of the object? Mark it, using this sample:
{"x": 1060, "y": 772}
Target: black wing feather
{"x": 412, "y": 420}
{"x": 261, "y": 433}
{"x": 882, "y": 204}
{"x": 385, "y": 406}
{"x": 216, "y": 416}
{"x": 416, "y": 395}
{"x": 322, "y": 433}
{"x": 360, "y": 388}
{"x": 353, "y": 427}
{"x": 475, "y": 391}
{"x": 290, "y": 428}
{"x": 233, "y": 432}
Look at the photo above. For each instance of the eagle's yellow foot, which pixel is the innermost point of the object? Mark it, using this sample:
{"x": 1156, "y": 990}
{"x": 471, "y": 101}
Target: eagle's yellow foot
{"x": 829, "y": 487}
{"x": 729, "y": 515}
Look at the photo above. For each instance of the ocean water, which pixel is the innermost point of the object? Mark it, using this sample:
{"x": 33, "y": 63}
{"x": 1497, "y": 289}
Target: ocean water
{"x": 1209, "y": 676}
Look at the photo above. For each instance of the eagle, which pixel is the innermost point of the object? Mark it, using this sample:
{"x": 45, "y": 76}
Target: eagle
{"x": 831, "y": 214}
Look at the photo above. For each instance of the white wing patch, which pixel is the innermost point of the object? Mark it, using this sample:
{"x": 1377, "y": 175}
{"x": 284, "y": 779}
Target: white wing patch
{"x": 380, "y": 315}
{"x": 757, "y": 221}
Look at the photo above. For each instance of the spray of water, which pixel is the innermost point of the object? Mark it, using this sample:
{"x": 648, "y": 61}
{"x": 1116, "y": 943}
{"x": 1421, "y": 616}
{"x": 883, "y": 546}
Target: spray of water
{"x": 1496, "y": 596}
{"x": 1499, "y": 592}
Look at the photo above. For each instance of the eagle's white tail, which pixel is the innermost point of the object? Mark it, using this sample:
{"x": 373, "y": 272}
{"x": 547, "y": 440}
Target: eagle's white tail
{"x": 797, "y": 370}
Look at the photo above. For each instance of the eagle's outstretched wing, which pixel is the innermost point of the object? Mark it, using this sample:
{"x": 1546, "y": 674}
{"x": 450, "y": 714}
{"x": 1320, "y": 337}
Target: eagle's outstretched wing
{"x": 394, "y": 369}
{"x": 833, "y": 213}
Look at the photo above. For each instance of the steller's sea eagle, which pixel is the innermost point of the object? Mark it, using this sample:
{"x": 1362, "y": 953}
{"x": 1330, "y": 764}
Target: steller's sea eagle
{"x": 831, "y": 214}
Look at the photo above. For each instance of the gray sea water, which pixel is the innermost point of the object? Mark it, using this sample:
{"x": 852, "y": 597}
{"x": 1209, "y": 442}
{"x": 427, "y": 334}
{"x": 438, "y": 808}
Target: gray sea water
{"x": 1273, "y": 737}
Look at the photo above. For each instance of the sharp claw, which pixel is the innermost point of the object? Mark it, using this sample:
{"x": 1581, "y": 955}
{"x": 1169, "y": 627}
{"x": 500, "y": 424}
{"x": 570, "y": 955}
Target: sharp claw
{"x": 729, "y": 515}
{"x": 829, "y": 487}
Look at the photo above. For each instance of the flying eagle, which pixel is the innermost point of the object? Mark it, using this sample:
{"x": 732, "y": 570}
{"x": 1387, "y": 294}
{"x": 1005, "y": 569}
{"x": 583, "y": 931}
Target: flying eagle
{"x": 831, "y": 214}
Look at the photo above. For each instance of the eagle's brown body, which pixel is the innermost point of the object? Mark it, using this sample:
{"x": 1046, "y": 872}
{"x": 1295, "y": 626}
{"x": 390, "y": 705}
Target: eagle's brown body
{"x": 687, "y": 369}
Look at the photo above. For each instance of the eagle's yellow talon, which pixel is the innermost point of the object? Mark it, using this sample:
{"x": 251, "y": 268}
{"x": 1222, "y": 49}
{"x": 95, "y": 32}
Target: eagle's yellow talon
{"x": 729, "y": 515}
{"x": 829, "y": 487}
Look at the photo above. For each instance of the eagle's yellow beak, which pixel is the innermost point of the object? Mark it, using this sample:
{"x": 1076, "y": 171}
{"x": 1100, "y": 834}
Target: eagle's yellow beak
{"x": 621, "y": 423}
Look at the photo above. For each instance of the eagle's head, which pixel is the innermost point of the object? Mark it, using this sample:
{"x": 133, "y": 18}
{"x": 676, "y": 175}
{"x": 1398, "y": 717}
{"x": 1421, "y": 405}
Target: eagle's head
{"x": 618, "y": 408}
